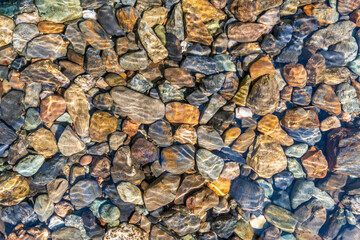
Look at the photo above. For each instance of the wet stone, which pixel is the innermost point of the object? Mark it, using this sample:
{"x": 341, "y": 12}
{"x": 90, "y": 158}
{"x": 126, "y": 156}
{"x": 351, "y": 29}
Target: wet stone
{"x": 107, "y": 19}
{"x": 125, "y": 232}
{"x": 11, "y": 109}
{"x": 161, "y": 192}
{"x": 200, "y": 64}
{"x": 51, "y": 108}
{"x": 29, "y": 165}
{"x": 280, "y": 218}
{"x": 101, "y": 125}
{"x": 161, "y": 133}
{"x": 84, "y": 193}
{"x": 224, "y": 225}
{"x": 127, "y": 18}
{"x": 181, "y": 220}
{"x": 325, "y": 98}
{"x": 178, "y": 159}
{"x": 15, "y": 189}
{"x": 131, "y": 104}
{"x": 95, "y": 35}
{"x": 302, "y": 96}
{"x": 43, "y": 141}
{"x": 182, "y": 113}
{"x": 209, "y": 165}
{"x": 209, "y": 138}
{"x": 6, "y": 30}
{"x": 269, "y": 125}
{"x": 130, "y": 193}
{"x": 56, "y": 189}
{"x": 77, "y": 41}
{"x": 94, "y": 64}
{"x": 23, "y": 212}
{"x": 246, "y": 32}
{"x": 296, "y": 150}
{"x": 144, "y": 151}
{"x": 43, "y": 207}
{"x": 59, "y": 11}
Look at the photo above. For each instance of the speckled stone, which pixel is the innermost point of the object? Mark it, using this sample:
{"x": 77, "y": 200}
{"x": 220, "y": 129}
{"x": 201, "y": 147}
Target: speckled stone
{"x": 59, "y": 11}
{"x": 144, "y": 152}
{"x": 125, "y": 232}
{"x": 15, "y": 188}
{"x": 6, "y": 30}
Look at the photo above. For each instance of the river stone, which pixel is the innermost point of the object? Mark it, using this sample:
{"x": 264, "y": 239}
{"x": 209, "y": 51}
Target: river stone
{"x": 59, "y": 11}
{"x": 29, "y": 165}
{"x": 127, "y": 17}
{"x": 51, "y": 108}
{"x": 43, "y": 141}
{"x": 209, "y": 138}
{"x": 125, "y": 167}
{"x": 23, "y": 33}
{"x": 296, "y": 150}
{"x": 246, "y": 32}
{"x": 202, "y": 201}
{"x": 6, "y": 30}
{"x": 69, "y": 143}
{"x": 224, "y": 225}
{"x": 264, "y": 95}
{"x": 57, "y": 188}
{"x": 77, "y": 107}
{"x": 266, "y": 157}
{"x": 23, "y": 212}
{"x": 161, "y": 132}
{"x": 43, "y": 207}
{"x": 216, "y": 102}
{"x": 302, "y": 191}
{"x": 209, "y": 165}
{"x": 326, "y": 99}
{"x": 152, "y": 44}
{"x": 137, "y": 106}
{"x": 107, "y": 19}
{"x": 125, "y": 232}
{"x": 66, "y": 233}
{"x": 178, "y": 159}
{"x": 49, "y": 170}
{"x": 84, "y": 193}
{"x": 311, "y": 217}
{"x": 280, "y": 218}
{"x": 161, "y": 192}
{"x": 46, "y": 46}
{"x": 177, "y": 112}
{"x": 144, "y": 151}
{"x": 203, "y": 9}
{"x": 11, "y": 108}
{"x": 175, "y": 24}
{"x": 181, "y": 220}
{"x": 14, "y": 188}
{"x": 189, "y": 184}
{"x": 101, "y": 125}
{"x": 248, "y": 195}
{"x": 77, "y": 41}
{"x": 109, "y": 214}
{"x": 95, "y": 35}
{"x": 130, "y": 193}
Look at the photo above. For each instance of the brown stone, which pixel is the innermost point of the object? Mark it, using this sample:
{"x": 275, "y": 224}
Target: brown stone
{"x": 219, "y": 4}
{"x": 95, "y": 35}
{"x": 130, "y": 127}
{"x": 201, "y": 201}
{"x": 144, "y": 151}
{"x": 244, "y": 141}
{"x": 330, "y": 123}
{"x": 100, "y": 167}
{"x": 75, "y": 57}
{"x": 196, "y": 30}
{"x": 326, "y": 99}
{"x": 323, "y": 13}
{"x": 345, "y": 7}
{"x": 261, "y": 67}
{"x": 264, "y": 95}
{"x": 185, "y": 134}
{"x": 220, "y": 187}
{"x": 177, "y": 112}
{"x": 286, "y": 93}
{"x": 101, "y": 125}
{"x": 297, "y": 118}
{"x": 190, "y": 184}
{"x": 244, "y": 10}
{"x": 336, "y": 75}
{"x": 110, "y": 61}
{"x": 355, "y": 17}
{"x": 246, "y": 32}
{"x": 269, "y": 125}
{"x": 244, "y": 49}
{"x": 179, "y": 77}
{"x": 203, "y": 9}
{"x": 43, "y": 141}
{"x": 85, "y": 160}
{"x": 51, "y": 108}
{"x": 56, "y": 189}
{"x": 7, "y": 55}
{"x": 50, "y": 27}
{"x": 230, "y": 135}
{"x": 315, "y": 163}
{"x": 230, "y": 171}
{"x": 20, "y": 232}
{"x": 315, "y": 68}
{"x": 295, "y": 75}
{"x": 70, "y": 69}
{"x": 243, "y": 91}
{"x": 63, "y": 209}
{"x": 178, "y": 159}
{"x": 161, "y": 192}
{"x": 14, "y": 188}
{"x": 127, "y": 18}
{"x": 266, "y": 157}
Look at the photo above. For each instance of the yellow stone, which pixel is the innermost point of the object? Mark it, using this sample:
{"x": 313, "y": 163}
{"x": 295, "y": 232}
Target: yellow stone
{"x": 43, "y": 141}
{"x": 230, "y": 135}
{"x": 13, "y": 189}
{"x": 203, "y": 9}
{"x": 221, "y": 186}
{"x": 101, "y": 125}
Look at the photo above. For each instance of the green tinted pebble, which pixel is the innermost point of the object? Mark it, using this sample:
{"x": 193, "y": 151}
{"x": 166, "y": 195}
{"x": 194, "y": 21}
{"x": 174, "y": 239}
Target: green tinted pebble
{"x": 109, "y": 213}
{"x": 29, "y": 165}
{"x": 160, "y": 33}
{"x": 268, "y": 189}
{"x": 295, "y": 167}
{"x": 59, "y": 11}
{"x": 281, "y": 218}
{"x": 224, "y": 63}
{"x": 32, "y": 119}
{"x": 296, "y": 150}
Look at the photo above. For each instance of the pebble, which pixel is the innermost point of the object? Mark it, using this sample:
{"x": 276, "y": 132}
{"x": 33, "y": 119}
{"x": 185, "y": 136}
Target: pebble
{"x": 178, "y": 159}
{"x": 315, "y": 163}
{"x": 100, "y": 167}
{"x": 46, "y": 46}
{"x": 182, "y": 113}
{"x": 84, "y": 192}
{"x": 209, "y": 165}
{"x": 296, "y": 150}
{"x": 43, "y": 207}
{"x": 125, "y": 231}
{"x": 43, "y": 141}
{"x": 209, "y": 138}
{"x": 95, "y": 35}
{"x": 56, "y": 189}
{"x": 280, "y": 218}
{"x": 102, "y": 124}
{"x": 15, "y": 189}
{"x": 59, "y": 11}
{"x": 6, "y": 30}
{"x": 69, "y": 143}
{"x": 130, "y": 193}
{"x": 29, "y": 165}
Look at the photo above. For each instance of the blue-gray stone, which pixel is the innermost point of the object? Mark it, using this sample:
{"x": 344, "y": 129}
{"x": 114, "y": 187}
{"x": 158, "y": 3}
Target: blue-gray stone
{"x": 29, "y": 165}
{"x": 197, "y": 64}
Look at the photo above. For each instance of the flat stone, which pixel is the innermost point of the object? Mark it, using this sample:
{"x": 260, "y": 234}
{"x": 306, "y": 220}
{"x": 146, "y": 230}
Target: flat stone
{"x": 125, "y": 167}
{"x": 46, "y": 46}
{"x": 152, "y": 44}
{"x": 29, "y": 165}
{"x": 66, "y": 233}
{"x": 209, "y": 165}
{"x": 209, "y": 138}
{"x": 44, "y": 71}
{"x": 248, "y": 195}
{"x": 49, "y": 171}
{"x": 110, "y": 61}
{"x": 50, "y": 27}
{"x": 181, "y": 220}
{"x": 6, "y": 30}
{"x": 295, "y": 75}
{"x": 127, "y": 18}
{"x": 95, "y": 35}
{"x": 69, "y": 143}
{"x": 43, "y": 141}
{"x": 266, "y": 157}
{"x": 77, "y": 107}
{"x": 179, "y": 77}
{"x": 125, "y": 232}
{"x": 59, "y": 11}
{"x": 246, "y": 32}
{"x": 7, "y": 134}
{"x": 261, "y": 67}
{"x": 188, "y": 185}
{"x": 264, "y": 95}
{"x": 21, "y": 213}
{"x": 177, "y": 112}
{"x": 84, "y": 192}
{"x": 185, "y": 134}
{"x": 196, "y": 30}
{"x": 200, "y": 64}
{"x": 51, "y": 108}
{"x": 102, "y": 124}
{"x": 280, "y": 218}
{"x": 15, "y": 188}
{"x": 161, "y": 132}
{"x": 43, "y": 207}
{"x": 325, "y": 98}
{"x": 215, "y": 103}
{"x": 10, "y": 106}
{"x": 175, "y": 24}
{"x": 224, "y": 225}
{"x": 345, "y": 6}
{"x": 296, "y": 150}
{"x": 161, "y": 192}
{"x": 329, "y": 123}
{"x": 144, "y": 151}
{"x": 77, "y": 41}
{"x": 94, "y": 64}
{"x": 202, "y": 201}
{"x": 178, "y": 159}
{"x": 130, "y": 193}
{"x": 315, "y": 163}
{"x": 203, "y": 9}
{"x": 269, "y": 125}
{"x": 23, "y": 33}
{"x": 132, "y": 104}
{"x": 107, "y": 19}
{"x": 56, "y": 189}
{"x": 243, "y": 142}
